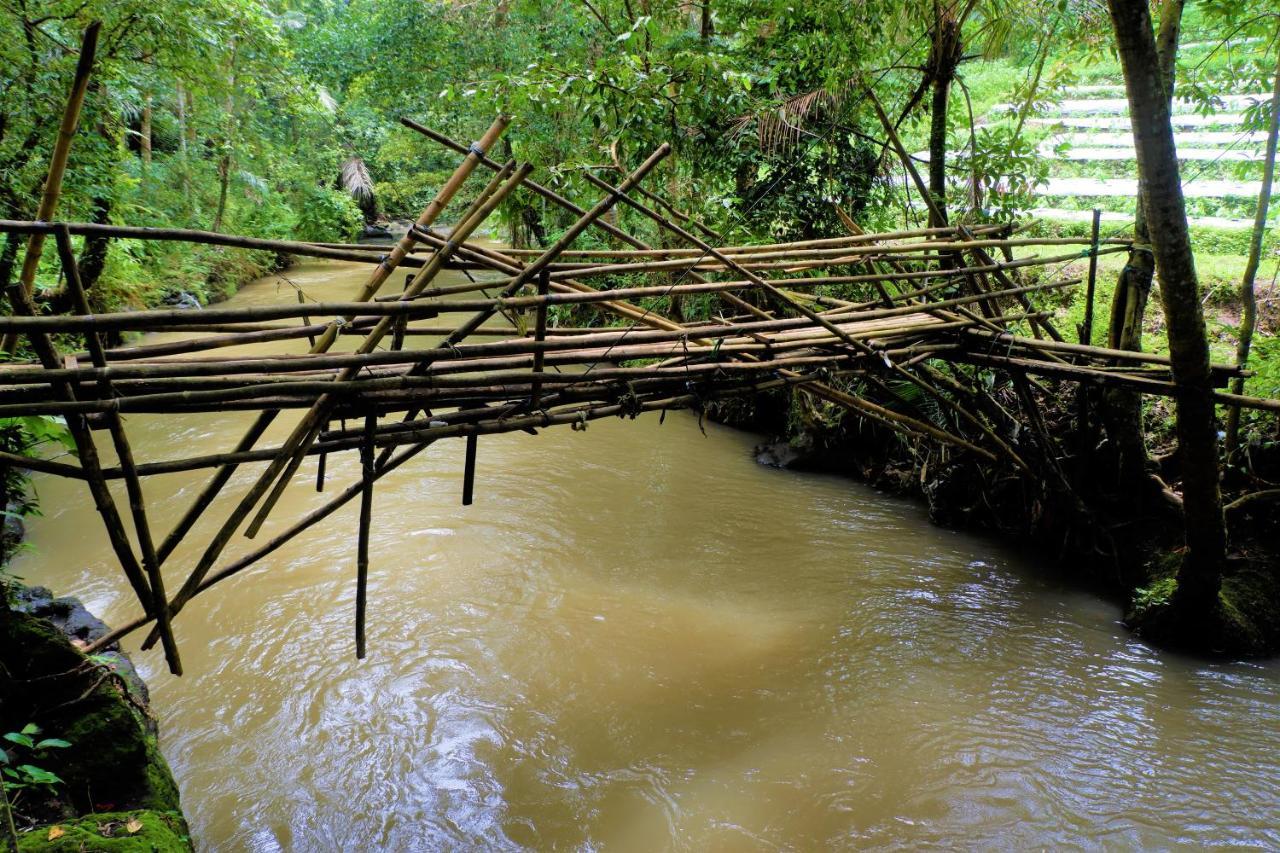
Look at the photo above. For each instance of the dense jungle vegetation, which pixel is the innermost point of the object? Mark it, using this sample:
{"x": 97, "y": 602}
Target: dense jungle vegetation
{"x": 280, "y": 119}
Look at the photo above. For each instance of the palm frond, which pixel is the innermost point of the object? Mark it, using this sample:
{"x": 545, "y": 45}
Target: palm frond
{"x": 354, "y": 178}
{"x": 783, "y": 125}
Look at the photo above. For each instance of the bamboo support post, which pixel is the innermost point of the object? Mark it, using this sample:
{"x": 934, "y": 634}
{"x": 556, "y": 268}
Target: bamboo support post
{"x": 366, "y": 518}
{"x": 539, "y": 337}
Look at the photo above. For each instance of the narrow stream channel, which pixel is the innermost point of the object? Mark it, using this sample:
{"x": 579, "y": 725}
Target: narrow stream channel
{"x": 639, "y": 639}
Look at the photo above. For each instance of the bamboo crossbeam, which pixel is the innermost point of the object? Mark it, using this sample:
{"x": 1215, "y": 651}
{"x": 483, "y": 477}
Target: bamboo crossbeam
{"x": 207, "y": 238}
{"x": 291, "y": 363}
{"x": 189, "y": 396}
{"x": 820, "y": 257}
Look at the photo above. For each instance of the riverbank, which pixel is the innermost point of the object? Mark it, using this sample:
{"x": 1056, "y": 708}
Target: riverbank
{"x": 87, "y": 773}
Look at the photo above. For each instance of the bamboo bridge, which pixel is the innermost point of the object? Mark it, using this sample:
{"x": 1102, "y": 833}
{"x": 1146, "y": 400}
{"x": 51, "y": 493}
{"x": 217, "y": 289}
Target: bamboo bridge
{"x": 936, "y": 297}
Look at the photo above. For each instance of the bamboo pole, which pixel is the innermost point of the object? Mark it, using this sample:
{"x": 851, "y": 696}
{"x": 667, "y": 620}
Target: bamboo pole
{"x": 1086, "y": 332}
{"x": 386, "y": 266}
{"x": 539, "y": 336}
{"x": 57, "y": 168}
{"x": 133, "y": 486}
{"x": 299, "y": 438}
{"x": 366, "y": 518}
{"x": 353, "y": 252}
{"x": 90, "y": 464}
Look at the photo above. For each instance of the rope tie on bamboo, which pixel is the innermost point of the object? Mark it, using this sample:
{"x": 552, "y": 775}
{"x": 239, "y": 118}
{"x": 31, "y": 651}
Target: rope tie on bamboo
{"x": 580, "y": 425}
{"x": 476, "y": 148}
{"x": 629, "y": 403}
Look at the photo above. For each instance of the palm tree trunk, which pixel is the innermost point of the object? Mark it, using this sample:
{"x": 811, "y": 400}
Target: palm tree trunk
{"x": 938, "y": 149}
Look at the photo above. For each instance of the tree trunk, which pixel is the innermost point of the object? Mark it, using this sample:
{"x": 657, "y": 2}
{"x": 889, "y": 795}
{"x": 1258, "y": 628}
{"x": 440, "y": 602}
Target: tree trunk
{"x": 186, "y": 138}
{"x": 1122, "y": 410}
{"x": 1199, "y": 576}
{"x": 93, "y": 259}
{"x": 144, "y": 140}
{"x": 1248, "y": 300}
{"x": 224, "y": 161}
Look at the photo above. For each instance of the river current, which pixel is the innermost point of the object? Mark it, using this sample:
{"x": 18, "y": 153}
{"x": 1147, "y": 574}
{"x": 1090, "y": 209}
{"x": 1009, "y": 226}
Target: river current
{"x": 639, "y": 639}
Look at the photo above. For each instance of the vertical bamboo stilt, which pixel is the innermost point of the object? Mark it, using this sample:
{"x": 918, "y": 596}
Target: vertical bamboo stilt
{"x": 469, "y": 471}
{"x": 1086, "y": 331}
{"x": 540, "y": 336}
{"x": 306, "y": 321}
{"x": 366, "y": 518}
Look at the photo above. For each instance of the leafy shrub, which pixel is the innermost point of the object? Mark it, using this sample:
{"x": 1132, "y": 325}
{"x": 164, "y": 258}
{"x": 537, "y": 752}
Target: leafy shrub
{"x": 326, "y": 215}
{"x": 273, "y": 219}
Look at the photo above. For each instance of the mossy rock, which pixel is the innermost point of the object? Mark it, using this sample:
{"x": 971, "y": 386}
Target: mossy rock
{"x": 1244, "y": 621}
{"x": 1250, "y": 603}
{"x": 109, "y": 832}
{"x": 113, "y": 759}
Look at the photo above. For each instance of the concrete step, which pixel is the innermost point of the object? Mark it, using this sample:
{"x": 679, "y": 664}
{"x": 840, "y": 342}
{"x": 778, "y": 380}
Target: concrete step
{"x": 1060, "y": 214}
{"x": 1180, "y": 122}
{"x": 1128, "y": 187}
{"x": 1120, "y": 106}
{"x": 1093, "y": 155}
{"x": 1184, "y": 139}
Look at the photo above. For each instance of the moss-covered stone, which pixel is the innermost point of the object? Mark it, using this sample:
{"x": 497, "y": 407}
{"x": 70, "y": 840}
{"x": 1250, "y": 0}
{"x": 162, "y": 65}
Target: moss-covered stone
{"x": 1244, "y": 622}
{"x": 1250, "y": 605}
{"x": 110, "y": 832}
{"x": 113, "y": 761}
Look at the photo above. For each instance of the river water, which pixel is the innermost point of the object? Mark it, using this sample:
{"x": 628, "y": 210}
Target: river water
{"x": 639, "y": 639}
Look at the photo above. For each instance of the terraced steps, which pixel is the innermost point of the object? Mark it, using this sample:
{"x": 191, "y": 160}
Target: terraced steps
{"x": 1189, "y": 121}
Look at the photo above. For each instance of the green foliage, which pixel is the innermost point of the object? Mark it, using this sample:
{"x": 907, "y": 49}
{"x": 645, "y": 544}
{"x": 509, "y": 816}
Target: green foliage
{"x": 326, "y": 215}
{"x": 25, "y": 776}
{"x": 1154, "y": 596}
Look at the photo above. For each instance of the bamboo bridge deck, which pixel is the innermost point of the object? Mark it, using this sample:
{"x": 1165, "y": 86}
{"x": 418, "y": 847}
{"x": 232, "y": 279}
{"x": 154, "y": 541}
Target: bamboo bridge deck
{"x": 944, "y": 296}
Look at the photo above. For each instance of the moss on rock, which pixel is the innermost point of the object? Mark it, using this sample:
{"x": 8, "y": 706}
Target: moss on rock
{"x": 114, "y": 760}
{"x": 139, "y": 831}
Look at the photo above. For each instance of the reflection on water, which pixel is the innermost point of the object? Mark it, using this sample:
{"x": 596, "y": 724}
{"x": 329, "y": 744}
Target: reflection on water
{"x": 638, "y": 639}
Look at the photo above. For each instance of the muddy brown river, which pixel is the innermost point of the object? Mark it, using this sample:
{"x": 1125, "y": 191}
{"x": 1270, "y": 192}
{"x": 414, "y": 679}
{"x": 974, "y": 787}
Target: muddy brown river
{"x": 639, "y": 639}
